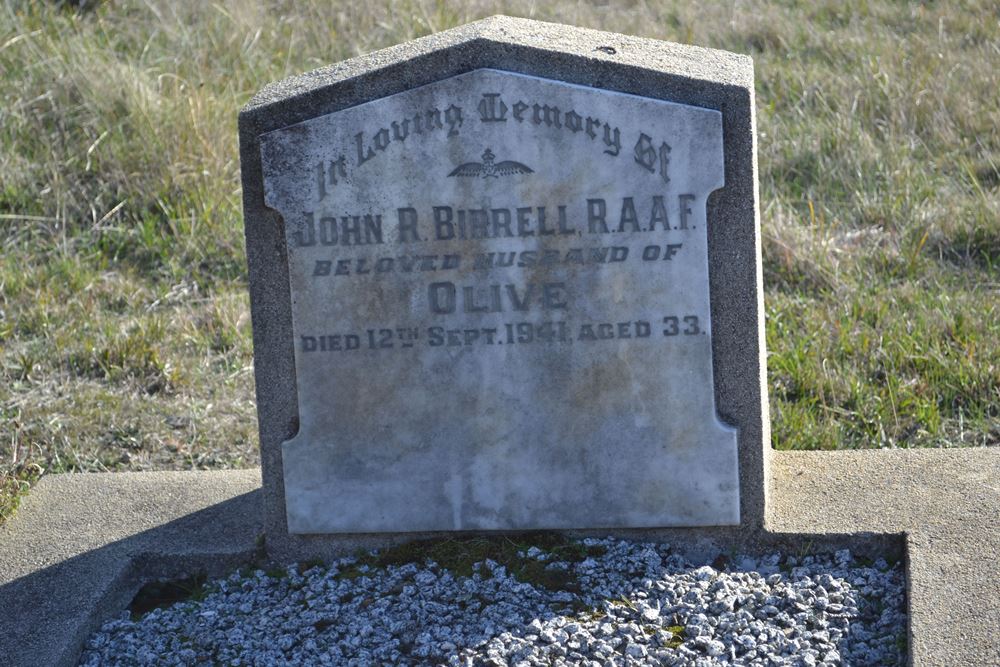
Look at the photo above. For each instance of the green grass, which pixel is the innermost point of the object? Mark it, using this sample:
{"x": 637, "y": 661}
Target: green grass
{"x": 124, "y": 331}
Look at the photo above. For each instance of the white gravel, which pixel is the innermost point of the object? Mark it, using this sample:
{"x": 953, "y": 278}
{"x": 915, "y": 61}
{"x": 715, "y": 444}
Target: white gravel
{"x": 621, "y": 603}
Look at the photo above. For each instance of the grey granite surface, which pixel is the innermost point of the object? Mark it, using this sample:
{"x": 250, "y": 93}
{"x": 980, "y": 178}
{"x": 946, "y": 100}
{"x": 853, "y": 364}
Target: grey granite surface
{"x": 708, "y": 79}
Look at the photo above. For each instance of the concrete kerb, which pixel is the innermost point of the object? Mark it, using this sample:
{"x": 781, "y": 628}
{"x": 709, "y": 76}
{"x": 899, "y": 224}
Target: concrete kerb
{"x": 945, "y": 502}
{"x": 81, "y": 546}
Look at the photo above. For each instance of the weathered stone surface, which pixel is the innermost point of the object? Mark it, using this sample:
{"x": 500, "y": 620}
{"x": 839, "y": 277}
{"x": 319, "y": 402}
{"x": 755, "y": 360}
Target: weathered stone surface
{"x": 709, "y": 80}
{"x": 500, "y": 310}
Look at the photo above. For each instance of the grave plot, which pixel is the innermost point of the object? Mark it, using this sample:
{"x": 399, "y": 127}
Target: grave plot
{"x": 508, "y": 278}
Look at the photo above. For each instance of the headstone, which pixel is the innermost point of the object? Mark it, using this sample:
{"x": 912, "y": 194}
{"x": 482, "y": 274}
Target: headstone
{"x": 490, "y": 290}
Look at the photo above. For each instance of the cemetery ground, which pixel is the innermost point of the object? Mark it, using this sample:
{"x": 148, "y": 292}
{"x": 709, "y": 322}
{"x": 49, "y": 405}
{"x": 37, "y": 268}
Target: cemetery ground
{"x": 125, "y": 334}
{"x": 124, "y": 317}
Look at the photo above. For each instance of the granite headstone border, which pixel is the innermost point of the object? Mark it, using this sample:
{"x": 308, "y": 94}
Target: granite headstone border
{"x": 649, "y": 68}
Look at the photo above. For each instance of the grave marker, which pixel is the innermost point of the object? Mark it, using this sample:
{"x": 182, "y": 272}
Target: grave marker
{"x": 494, "y": 289}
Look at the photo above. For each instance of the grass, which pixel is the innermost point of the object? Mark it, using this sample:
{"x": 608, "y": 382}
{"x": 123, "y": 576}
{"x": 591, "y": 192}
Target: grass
{"x": 124, "y": 330}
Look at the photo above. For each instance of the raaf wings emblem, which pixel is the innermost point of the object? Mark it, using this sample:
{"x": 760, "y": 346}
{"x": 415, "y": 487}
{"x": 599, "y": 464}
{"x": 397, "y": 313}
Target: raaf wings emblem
{"x": 488, "y": 168}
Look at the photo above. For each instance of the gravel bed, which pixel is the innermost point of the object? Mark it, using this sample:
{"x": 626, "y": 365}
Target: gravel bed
{"x": 592, "y": 602}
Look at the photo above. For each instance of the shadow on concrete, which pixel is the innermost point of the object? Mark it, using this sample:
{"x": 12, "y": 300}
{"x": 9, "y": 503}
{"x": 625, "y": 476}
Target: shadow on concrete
{"x": 48, "y": 613}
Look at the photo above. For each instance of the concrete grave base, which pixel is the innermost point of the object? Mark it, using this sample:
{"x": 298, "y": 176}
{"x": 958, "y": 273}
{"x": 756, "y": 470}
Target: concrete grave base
{"x": 81, "y": 546}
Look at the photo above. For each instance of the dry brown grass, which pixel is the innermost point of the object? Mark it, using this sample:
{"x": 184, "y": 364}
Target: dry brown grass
{"x": 124, "y": 339}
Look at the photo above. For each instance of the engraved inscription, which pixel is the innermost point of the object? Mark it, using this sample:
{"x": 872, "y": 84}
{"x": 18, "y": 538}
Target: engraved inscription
{"x": 367, "y": 145}
{"x": 500, "y": 307}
